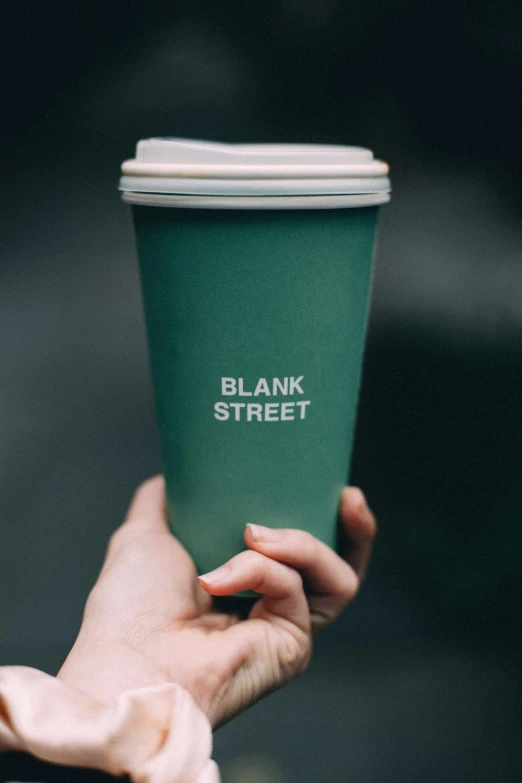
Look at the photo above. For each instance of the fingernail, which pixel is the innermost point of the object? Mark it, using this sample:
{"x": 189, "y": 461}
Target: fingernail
{"x": 218, "y": 575}
{"x": 268, "y": 534}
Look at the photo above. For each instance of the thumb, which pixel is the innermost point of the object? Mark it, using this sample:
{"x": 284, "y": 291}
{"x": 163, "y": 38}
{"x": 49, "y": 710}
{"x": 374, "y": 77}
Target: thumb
{"x": 148, "y": 508}
{"x": 147, "y": 514}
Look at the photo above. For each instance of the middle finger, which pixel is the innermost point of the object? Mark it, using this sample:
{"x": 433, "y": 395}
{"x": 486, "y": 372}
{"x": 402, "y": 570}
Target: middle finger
{"x": 331, "y": 583}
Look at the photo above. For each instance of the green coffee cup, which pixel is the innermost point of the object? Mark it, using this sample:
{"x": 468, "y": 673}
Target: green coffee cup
{"x": 256, "y": 266}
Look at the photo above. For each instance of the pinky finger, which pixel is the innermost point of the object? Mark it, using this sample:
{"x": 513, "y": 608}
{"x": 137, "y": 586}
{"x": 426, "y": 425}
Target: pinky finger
{"x": 359, "y": 527}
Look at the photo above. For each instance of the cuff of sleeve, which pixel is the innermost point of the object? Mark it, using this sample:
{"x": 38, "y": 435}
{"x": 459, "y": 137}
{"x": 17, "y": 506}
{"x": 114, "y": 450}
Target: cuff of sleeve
{"x": 154, "y": 735}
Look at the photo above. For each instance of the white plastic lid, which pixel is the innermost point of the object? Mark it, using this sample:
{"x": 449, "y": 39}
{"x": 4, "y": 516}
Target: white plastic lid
{"x": 253, "y": 173}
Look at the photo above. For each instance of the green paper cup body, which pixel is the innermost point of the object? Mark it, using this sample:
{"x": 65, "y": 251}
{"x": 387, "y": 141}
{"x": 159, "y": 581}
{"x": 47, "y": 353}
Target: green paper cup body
{"x": 256, "y": 323}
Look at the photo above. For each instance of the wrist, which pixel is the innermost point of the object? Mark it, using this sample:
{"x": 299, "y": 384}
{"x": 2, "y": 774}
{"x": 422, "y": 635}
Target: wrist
{"x": 104, "y": 670}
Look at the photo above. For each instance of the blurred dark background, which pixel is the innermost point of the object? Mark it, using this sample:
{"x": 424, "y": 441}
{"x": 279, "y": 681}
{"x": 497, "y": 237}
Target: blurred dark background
{"x": 420, "y": 681}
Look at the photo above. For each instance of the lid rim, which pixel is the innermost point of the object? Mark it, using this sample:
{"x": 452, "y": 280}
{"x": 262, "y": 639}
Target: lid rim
{"x": 255, "y": 187}
{"x": 254, "y": 171}
{"x": 356, "y": 200}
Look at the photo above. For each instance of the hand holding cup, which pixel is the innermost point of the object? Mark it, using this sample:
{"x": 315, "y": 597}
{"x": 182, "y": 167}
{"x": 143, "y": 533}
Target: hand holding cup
{"x": 148, "y": 621}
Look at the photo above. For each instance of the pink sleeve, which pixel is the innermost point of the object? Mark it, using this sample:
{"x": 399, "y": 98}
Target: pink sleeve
{"x": 155, "y": 735}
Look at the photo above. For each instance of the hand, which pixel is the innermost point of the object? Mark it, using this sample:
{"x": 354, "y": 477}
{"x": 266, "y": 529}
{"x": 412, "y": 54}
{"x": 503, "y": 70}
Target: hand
{"x": 149, "y": 620}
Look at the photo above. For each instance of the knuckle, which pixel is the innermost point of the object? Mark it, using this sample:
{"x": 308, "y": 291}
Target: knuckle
{"x": 253, "y": 563}
{"x": 125, "y": 534}
{"x": 295, "y": 580}
{"x": 295, "y": 654}
{"x": 120, "y": 539}
{"x": 116, "y": 540}
{"x": 303, "y": 549}
{"x": 301, "y": 546}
